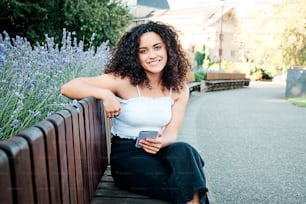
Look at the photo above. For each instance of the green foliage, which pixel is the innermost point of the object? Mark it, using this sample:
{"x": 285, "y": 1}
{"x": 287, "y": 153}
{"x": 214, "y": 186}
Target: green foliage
{"x": 107, "y": 19}
{"x": 199, "y": 58}
{"x": 294, "y": 47}
{"x": 31, "y": 20}
{"x": 276, "y": 35}
{"x": 299, "y": 101}
{"x": 31, "y": 77}
{"x": 265, "y": 72}
{"x": 202, "y": 57}
{"x": 199, "y": 75}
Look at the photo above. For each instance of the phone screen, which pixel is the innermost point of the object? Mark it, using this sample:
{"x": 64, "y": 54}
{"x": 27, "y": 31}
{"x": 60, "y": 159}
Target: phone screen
{"x": 145, "y": 134}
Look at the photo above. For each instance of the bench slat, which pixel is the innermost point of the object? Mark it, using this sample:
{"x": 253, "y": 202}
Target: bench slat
{"x": 51, "y": 155}
{"x": 83, "y": 151}
{"x": 108, "y": 192}
{"x": 35, "y": 139}
{"x": 194, "y": 86}
{"x": 70, "y": 155}
{"x": 5, "y": 178}
{"x": 58, "y": 121}
{"x": 89, "y": 149}
{"x": 18, "y": 153}
{"x": 77, "y": 155}
{"x": 100, "y": 138}
{"x": 218, "y": 75}
{"x": 102, "y": 200}
{"x": 95, "y": 166}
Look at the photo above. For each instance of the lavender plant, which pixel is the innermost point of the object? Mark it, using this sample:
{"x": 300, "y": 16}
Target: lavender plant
{"x": 31, "y": 77}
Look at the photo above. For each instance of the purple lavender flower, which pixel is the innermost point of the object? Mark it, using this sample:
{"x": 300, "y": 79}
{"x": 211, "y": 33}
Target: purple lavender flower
{"x": 33, "y": 75}
{"x": 2, "y": 55}
{"x": 15, "y": 124}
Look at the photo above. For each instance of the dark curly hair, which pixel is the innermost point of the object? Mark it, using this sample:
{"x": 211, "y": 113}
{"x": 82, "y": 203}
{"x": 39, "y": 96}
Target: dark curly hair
{"x": 125, "y": 62}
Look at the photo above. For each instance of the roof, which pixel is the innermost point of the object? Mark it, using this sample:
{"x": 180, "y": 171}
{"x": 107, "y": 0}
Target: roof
{"x": 144, "y": 8}
{"x": 199, "y": 17}
{"x": 160, "y": 4}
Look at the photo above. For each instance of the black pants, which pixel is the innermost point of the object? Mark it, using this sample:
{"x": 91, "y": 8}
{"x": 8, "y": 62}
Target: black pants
{"x": 174, "y": 174}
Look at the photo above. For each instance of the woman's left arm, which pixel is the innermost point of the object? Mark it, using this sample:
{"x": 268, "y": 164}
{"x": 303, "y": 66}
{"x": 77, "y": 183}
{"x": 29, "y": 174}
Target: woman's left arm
{"x": 169, "y": 135}
{"x": 170, "y": 132}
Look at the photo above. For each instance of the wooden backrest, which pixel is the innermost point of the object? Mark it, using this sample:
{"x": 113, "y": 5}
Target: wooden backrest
{"x": 223, "y": 75}
{"x": 190, "y": 76}
{"x": 58, "y": 160}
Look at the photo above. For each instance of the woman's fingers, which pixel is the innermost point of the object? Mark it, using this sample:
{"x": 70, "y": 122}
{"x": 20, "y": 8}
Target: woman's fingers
{"x": 112, "y": 109}
{"x": 112, "y": 114}
{"x": 151, "y": 145}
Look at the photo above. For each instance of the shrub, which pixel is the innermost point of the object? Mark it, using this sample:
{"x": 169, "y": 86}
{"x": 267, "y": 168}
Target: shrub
{"x": 31, "y": 77}
{"x": 199, "y": 75}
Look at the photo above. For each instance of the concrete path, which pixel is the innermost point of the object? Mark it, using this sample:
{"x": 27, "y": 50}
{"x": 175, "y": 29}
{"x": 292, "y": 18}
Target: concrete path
{"x": 253, "y": 143}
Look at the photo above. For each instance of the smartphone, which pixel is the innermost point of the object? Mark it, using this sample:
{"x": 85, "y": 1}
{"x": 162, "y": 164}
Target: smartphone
{"x": 143, "y": 135}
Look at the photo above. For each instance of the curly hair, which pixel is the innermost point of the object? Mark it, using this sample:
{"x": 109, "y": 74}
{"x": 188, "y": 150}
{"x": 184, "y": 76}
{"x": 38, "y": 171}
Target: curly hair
{"x": 125, "y": 62}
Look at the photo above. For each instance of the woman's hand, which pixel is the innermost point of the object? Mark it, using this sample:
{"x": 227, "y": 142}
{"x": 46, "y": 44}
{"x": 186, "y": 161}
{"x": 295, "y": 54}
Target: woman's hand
{"x": 111, "y": 104}
{"x": 152, "y": 145}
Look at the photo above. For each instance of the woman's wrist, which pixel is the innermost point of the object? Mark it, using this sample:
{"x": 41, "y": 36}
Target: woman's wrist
{"x": 103, "y": 94}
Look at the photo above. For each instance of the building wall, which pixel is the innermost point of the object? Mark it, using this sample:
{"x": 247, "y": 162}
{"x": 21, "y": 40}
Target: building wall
{"x": 198, "y": 27}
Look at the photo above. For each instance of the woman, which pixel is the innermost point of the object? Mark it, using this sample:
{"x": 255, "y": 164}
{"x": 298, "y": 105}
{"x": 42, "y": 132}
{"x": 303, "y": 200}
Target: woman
{"x": 143, "y": 89}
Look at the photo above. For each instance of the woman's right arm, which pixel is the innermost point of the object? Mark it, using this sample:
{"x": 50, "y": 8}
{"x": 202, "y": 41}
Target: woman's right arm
{"x": 83, "y": 87}
{"x": 102, "y": 87}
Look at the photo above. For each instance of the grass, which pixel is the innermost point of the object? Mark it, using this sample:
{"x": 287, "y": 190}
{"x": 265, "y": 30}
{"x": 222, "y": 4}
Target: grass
{"x": 298, "y": 101}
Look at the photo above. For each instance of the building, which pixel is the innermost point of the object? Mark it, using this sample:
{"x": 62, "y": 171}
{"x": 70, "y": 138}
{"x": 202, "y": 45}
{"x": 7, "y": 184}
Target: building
{"x": 211, "y": 26}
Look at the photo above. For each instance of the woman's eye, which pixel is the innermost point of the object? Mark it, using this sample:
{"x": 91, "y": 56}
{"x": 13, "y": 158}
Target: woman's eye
{"x": 157, "y": 47}
{"x": 142, "y": 51}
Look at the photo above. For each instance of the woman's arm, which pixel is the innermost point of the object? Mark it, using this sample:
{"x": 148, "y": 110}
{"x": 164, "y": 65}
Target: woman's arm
{"x": 170, "y": 133}
{"x": 102, "y": 87}
{"x": 178, "y": 111}
{"x": 83, "y": 87}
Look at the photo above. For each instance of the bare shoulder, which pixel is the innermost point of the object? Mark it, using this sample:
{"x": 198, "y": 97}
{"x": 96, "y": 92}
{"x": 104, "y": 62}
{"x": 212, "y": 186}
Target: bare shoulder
{"x": 121, "y": 86}
{"x": 181, "y": 95}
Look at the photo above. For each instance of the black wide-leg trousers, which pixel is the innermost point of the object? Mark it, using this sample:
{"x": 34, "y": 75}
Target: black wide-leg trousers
{"x": 174, "y": 174}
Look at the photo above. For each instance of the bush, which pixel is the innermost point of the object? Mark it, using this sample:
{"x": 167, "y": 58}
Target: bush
{"x": 31, "y": 77}
{"x": 108, "y": 19}
{"x": 266, "y": 72}
{"x": 199, "y": 76}
{"x": 298, "y": 101}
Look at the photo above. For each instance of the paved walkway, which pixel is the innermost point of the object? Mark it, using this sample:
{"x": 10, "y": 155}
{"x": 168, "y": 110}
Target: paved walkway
{"x": 253, "y": 143}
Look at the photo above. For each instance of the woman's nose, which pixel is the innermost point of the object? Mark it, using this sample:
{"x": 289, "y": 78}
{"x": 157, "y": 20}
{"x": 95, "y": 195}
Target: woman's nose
{"x": 152, "y": 54}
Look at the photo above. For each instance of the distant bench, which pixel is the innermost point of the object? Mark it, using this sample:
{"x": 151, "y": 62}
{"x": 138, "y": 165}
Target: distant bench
{"x": 63, "y": 159}
{"x": 216, "y": 81}
{"x": 192, "y": 84}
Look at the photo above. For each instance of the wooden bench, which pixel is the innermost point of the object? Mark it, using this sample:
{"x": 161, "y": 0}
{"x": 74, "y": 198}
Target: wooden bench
{"x": 216, "y": 81}
{"x": 192, "y": 84}
{"x": 63, "y": 159}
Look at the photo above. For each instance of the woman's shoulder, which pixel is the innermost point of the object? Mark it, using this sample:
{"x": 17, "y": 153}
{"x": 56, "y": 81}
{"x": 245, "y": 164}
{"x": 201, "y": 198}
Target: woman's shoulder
{"x": 110, "y": 81}
{"x": 111, "y": 77}
{"x": 182, "y": 93}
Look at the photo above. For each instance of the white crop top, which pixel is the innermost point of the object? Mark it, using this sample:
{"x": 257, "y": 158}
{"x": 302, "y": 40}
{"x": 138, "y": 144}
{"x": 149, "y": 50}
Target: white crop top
{"x": 142, "y": 113}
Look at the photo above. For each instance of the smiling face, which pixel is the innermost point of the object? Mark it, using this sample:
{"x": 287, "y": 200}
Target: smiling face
{"x": 152, "y": 53}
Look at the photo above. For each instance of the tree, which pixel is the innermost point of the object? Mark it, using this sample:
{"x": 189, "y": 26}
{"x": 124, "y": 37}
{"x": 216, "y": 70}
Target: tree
{"x": 31, "y": 20}
{"x": 107, "y": 19}
{"x": 293, "y": 37}
{"x": 276, "y": 35}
